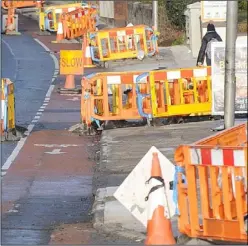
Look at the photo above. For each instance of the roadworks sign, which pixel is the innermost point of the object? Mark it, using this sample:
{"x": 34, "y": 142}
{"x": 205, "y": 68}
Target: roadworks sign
{"x": 71, "y": 62}
{"x": 134, "y": 189}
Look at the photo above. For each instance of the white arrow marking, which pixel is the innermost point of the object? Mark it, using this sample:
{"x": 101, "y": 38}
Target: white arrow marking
{"x": 73, "y": 99}
{"x": 55, "y": 152}
{"x": 57, "y": 145}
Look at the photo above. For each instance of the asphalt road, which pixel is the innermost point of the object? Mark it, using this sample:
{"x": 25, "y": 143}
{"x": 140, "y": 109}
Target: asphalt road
{"x": 31, "y": 69}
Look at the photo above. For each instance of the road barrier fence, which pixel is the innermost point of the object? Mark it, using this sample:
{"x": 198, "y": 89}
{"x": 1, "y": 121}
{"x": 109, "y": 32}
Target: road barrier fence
{"x": 212, "y": 186}
{"x": 139, "y": 95}
{"x": 7, "y": 106}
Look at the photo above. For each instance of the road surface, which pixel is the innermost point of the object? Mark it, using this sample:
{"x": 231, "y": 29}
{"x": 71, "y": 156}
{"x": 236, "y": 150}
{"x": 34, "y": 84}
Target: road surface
{"x": 30, "y": 68}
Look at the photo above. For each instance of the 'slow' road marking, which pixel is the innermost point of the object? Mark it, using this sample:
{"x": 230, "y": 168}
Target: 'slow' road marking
{"x": 20, "y": 144}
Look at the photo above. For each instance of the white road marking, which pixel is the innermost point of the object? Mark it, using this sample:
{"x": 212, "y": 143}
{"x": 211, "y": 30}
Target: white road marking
{"x": 42, "y": 107}
{"x": 39, "y": 113}
{"x": 9, "y": 47}
{"x": 50, "y": 90}
{"x": 12, "y": 53}
{"x": 58, "y": 145}
{"x": 35, "y": 121}
{"x": 30, "y": 128}
{"x": 73, "y": 99}
{"x": 36, "y": 117}
{"x": 22, "y": 141}
{"x": 55, "y": 152}
{"x": 13, "y": 211}
{"x": 3, "y": 173}
{"x": 14, "y": 154}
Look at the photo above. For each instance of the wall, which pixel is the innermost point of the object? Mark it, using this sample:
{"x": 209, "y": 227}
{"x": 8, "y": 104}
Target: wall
{"x": 139, "y": 13}
{"x": 106, "y": 9}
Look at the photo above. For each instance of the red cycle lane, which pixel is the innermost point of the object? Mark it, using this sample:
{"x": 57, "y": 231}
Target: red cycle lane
{"x": 50, "y": 182}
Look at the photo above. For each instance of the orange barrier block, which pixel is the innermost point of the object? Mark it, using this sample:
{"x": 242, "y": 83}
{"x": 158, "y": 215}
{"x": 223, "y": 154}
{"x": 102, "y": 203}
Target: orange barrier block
{"x": 123, "y": 43}
{"x": 103, "y": 97}
{"x": 212, "y": 189}
{"x": 21, "y": 4}
{"x": 76, "y": 23}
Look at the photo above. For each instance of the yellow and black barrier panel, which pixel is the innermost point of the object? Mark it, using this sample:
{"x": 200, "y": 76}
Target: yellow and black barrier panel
{"x": 8, "y": 126}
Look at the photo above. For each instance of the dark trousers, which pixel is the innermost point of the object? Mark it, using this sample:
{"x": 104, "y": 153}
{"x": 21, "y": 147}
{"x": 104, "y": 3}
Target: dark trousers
{"x": 208, "y": 61}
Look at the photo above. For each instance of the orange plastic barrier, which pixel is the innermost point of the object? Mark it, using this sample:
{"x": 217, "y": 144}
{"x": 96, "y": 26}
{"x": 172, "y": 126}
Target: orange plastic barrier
{"x": 20, "y": 4}
{"x": 76, "y": 23}
{"x": 155, "y": 94}
{"x": 103, "y": 97}
{"x": 11, "y": 27}
{"x": 212, "y": 186}
{"x": 178, "y": 91}
{"x": 123, "y": 43}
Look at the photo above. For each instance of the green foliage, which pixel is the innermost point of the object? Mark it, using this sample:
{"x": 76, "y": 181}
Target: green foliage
{"x": 242, "y": 5}
{"x": 180, "y": 40}
{"x": 175, "y": 11}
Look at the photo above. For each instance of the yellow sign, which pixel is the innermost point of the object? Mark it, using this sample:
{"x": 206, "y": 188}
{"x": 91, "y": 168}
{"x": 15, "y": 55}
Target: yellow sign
{"x": 71, "y": 62}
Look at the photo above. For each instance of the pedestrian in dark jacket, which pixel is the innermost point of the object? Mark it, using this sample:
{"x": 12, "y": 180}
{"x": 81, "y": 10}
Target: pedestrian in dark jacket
{"x": 205, "y": 50}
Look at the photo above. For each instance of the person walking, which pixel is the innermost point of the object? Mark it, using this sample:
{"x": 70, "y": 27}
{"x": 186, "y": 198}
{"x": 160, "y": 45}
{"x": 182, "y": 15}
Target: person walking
{"x": 205, "y": 50}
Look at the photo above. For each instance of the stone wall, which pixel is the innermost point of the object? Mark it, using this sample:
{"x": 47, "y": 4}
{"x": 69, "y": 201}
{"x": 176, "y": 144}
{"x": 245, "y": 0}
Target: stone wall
{"x": 139, "y": 13}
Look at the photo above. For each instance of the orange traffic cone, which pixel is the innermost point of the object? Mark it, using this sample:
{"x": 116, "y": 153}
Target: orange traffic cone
{"x": 60, "y": 32}
{"x": 69, "y": 87}
{"x": 88, "y": 63}
{"x": 69, "y": 82}
{"x": 159, "y": 229}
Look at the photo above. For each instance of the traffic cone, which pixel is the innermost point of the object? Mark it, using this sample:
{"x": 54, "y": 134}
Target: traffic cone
{"x": 69, "y": 87}
{"x": 69, "y": 82}
{"x": 60, "y": 32}
{"x": 159, "y": 229}
{"x": 88, "y": 63}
